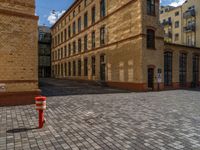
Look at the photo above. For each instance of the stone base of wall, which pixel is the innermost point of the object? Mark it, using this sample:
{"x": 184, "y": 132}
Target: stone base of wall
{"x": 18, "y": 98}
{"x": 128, "y": 86}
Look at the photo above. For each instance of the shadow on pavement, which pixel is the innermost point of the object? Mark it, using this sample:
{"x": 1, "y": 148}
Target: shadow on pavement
{"x": 59, "y": 87}
{"x": 19, "y": 130}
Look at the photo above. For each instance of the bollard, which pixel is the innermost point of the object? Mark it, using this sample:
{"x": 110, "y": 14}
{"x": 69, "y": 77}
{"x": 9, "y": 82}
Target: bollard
{"x": 40, "y": 103}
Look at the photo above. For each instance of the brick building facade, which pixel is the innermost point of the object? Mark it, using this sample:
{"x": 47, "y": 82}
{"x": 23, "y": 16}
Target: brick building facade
{"x": 120, "y": 43}
{"x": 18, "y": 52}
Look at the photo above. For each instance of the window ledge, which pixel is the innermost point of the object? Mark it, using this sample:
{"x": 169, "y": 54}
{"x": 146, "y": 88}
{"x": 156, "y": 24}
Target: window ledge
{"x": 152, "y": 49}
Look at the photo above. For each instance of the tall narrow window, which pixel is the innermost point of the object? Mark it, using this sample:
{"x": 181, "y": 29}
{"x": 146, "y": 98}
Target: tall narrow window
{"x": 65, "y": 69}
{"x": 79, "y": 67}
{"x": 196, "y": 70}
{"x": 85, "y": 43}
{"x": 74, "y": 47}
{"x": 69, "y": 49}
{"x": 65, "y": 34}
{"x": 61, "y": 37}
{"x": 74, "y": 28}
{"x": 65, "y": 51}
{"x": 79, "y": 24}
{"x": 168, "y": 68}
{"x": 74, "y": 68}
{"x": 93, "y": 65}
{"x": 183, "y": 69}
{"x": 79, "y": 45}
{"x": 102, "y": 36}
{"x": 69, "y": 31}
{"x": 93, "y": 14}
{"x": 69, "y": 68}
{"x": 102, "y": 8}
{"x": 61, "y": 53}
{"x": 85, "y": 3}
{"x": 150, "y": 39}
{"x": 85, "y": 67}
{"x": 93, "y": 39}
{"x": 86, "y": 20}
{"x": 151, "y": 7}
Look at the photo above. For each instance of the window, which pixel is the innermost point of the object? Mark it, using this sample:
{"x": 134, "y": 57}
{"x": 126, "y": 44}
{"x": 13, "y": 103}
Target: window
{"x": 79, "y": 45}
{"x": 69, "y": 31}
{"x": 61, "y": 70}
{"x": 93, "y": 39}
{"x": 182, "y": 69}
{"x": 85, "y": 67}
{"x": 151, "y": 7}
{"x": 196, "y": 70}
{"x": 168, "y": 68}
{"x": 85, "y": 3}
{"x": 74, "y": 28}
{"x": 85, "y": 43}
{"x": 65, "y": 34}
{"x": 69, "y": 49}
{"x": 65, "y": 51}
{"x": 93, "y": 14}
{"x": 69, "y": 68}
{"x": 150, "y": 39}
{"x": 74, "y": 47}
{"x": 93, "y": 66}
{"x": 177, "y": 13}
{"x": 74, "y": 13}
{"x": 177, "y": 24}
{"x": 58, "y": 38}
{"x": 102, "y": 36}
{"x": 61, "y": 37}
{"x": 65, "y": 69}
{"x": 176, "y": 37}
{"x": 86, "y": 20}
{"x": 79, "y": 67}
{"x": 79, "y": 8}
{"x": 74, "y": 68}
{"x": 102, "y": 9}
{"x": 61, "y": 53}
{"x": 79, "y": 24}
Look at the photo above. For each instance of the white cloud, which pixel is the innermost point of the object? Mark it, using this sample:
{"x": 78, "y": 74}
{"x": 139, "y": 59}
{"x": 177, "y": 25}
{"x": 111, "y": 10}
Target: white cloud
{"x": 177, "y": 3}
{"x": 54, "y": 16}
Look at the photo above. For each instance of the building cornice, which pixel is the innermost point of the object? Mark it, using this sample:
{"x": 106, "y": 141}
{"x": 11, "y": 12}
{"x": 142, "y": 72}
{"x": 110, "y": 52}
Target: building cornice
{"x": 18, "y": 14}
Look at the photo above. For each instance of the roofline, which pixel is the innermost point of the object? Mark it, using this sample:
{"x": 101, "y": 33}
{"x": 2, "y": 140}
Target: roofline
{"x": 193, "y": 47}
{"x": 67, "y": 11}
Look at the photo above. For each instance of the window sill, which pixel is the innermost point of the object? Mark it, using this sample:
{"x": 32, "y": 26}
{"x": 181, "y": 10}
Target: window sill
{"x": 152, "y": 49}
{"x": 153, "y": 15}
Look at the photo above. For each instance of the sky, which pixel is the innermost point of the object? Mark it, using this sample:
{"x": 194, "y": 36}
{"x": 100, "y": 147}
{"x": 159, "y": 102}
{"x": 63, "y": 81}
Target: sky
{"x": 50, "y": 10}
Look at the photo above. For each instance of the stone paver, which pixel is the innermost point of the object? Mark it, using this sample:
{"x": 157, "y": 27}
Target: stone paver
{"x": 168, "y": 120}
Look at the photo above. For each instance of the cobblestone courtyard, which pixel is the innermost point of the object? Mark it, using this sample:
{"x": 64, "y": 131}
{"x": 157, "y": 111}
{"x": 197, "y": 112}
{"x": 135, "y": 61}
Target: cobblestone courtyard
{"x": 85, "y": 117}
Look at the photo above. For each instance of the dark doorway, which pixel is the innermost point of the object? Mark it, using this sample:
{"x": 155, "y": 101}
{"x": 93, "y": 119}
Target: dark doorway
{"x": 150, "y": 78}
{"x": 102, "y": 68}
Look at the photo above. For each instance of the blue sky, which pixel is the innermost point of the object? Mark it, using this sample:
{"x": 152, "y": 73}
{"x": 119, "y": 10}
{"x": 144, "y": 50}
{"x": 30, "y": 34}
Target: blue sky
{"x": 44, "y": 9}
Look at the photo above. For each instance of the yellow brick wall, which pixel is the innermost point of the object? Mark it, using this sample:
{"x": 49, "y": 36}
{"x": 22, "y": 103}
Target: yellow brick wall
{"x": 18, "y": 46}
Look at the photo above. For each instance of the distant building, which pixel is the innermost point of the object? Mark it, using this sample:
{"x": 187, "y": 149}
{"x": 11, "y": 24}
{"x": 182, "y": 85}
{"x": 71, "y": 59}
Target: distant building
{"x": 182, "y": 24}
{"x": 18, "y": 52}
{"x": 44, "y": 51}
{"x": 120, "y": 43}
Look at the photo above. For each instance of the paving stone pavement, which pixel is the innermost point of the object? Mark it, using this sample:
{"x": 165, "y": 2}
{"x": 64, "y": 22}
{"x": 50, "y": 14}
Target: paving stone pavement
{"x": 117, "y": 120}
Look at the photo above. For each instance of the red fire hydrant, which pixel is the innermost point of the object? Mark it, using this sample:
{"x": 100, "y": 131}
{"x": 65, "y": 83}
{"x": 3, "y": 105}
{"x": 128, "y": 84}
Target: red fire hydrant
{"x": 40, "y": 103}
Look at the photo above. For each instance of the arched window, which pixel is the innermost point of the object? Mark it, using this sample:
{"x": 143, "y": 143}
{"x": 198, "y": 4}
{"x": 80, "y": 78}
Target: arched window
{"x": 168, "y": 68}
{"x": 150, "y": 39}
{"x": 151, "y": 7}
